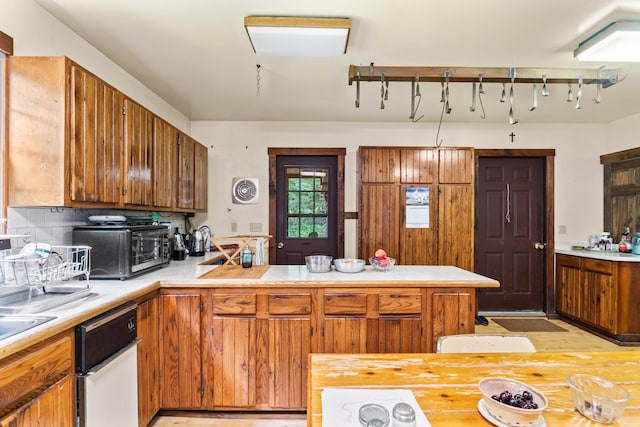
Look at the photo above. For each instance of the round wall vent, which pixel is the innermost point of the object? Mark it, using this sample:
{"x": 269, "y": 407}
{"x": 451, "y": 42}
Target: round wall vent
{"x": 244, "y": 191}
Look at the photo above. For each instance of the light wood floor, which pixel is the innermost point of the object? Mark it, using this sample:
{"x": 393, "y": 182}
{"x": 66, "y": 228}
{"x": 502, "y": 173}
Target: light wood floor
{"x": 574, "y": 340}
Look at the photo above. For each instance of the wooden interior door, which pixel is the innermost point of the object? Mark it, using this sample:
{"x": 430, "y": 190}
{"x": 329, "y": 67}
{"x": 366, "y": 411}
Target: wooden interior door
{"x": 510, "y": 213}
{"x": 306, "y": 208}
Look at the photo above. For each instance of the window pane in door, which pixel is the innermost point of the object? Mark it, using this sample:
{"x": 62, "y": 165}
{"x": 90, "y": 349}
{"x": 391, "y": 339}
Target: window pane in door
{"x": 307, "y": 206}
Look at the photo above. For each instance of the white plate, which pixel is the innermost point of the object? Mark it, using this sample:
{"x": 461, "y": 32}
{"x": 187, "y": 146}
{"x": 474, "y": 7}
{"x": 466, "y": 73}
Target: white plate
{"x": 107, "y": 218}
{"x": 540, "y": 422}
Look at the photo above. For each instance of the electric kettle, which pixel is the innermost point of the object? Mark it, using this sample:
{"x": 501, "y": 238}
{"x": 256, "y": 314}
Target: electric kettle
{"x": 197, "y": 243}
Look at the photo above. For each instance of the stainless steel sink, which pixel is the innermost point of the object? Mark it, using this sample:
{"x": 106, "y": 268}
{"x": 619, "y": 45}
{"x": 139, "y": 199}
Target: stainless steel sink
{"x": 24, "y": 300}
{"x": 11, "y": 325}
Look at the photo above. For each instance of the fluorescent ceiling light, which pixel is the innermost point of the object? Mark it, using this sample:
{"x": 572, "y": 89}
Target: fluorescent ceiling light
{"x": 297, "y": 36}
{"x": 617, "y": 42}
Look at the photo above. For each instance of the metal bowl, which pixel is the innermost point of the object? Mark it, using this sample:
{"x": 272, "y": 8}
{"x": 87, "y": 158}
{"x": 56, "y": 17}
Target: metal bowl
{"x": 349, "y": 265}
{"x": 318, "y": 263}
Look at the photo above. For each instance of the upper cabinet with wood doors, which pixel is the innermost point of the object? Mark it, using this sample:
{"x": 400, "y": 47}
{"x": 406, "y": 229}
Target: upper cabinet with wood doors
{"x": 416, "y": 203}
{"x": 621, "y": 192}
{"x": 165, "y": 137}
{"x": 73, "y": 140}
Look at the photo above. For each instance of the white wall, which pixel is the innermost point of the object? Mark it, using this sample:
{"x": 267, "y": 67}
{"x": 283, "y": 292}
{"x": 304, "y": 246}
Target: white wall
{"x": 240, "y": 149}
{"x": 36, "y": 33}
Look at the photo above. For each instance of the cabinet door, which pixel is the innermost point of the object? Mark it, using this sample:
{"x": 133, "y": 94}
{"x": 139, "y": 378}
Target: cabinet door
{"x": 455, "y": 230}
{"x": 455, "y": 166}
{"x": 379, "y": 220}
{"x": 201, "y": 177}
{"x": 452, "y": 312}
{"x": 186, "y": 166}
{"x": 164, "y": 163}
{"x": 148, "y": 361}
{"x": 600, "y": 294}
{"x": 233, "y": 364}
{"x": 95, "y": 139}
{"x": 569, "y": 286}
{"x": 289, "y": 345}
{"x": 344, "y": 325}
{"x": 180, "y": 359}
{"x": 55, "y": 407}
{"x": 379, "y": 165}
{"x": 418, "y": 165}
{"x": 138, "y": 151}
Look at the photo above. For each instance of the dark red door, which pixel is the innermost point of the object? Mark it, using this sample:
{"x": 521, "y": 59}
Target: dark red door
{"x": 509, "y": 223}
{"x": 306, "y": 207}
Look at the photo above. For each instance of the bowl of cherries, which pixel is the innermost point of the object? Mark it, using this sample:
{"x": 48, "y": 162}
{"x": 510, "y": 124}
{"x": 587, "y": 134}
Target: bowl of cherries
{"x": 512, "y": 402}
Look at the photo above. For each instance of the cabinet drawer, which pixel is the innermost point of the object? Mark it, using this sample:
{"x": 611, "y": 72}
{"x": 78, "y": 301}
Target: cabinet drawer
{"x": 598, "y": 265}
{"x": 289, "y": 304}
{"x": 400, "y": 303}
{"x": 234, "y": 304}
{"x": 345, "y": 304}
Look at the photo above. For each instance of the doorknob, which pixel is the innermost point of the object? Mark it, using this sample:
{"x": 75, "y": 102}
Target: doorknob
{"x": 280, "y": 245}
{"x": 539, "y": 245}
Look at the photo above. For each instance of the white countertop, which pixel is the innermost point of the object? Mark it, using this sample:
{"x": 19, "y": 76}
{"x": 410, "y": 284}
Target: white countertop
{"x": 603, "y": 255}
{"x": 106, "y": 294}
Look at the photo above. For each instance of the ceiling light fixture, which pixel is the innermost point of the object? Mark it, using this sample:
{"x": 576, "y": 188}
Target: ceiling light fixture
{"x": 298, "y": 36}
{"x": 617, "y": 42}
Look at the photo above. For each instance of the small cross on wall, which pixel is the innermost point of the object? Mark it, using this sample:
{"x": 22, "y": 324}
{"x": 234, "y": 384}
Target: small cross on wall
{"x": 512, "y": 135}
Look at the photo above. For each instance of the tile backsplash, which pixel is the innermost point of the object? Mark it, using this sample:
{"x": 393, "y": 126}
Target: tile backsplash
{"x": 54, "y": 225}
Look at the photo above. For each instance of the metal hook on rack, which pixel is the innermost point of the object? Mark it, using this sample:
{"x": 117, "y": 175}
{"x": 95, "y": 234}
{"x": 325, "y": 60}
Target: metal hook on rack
{"x": 447, "y": 108}
{"x": 358, "y": 89}
{"x": 382, "y": 91}
{"x": 480, "y": 93}
{"x": 570, "y": 94}
{"x": 512, "y": 75}
{"x": 415, "y": 95}
{"x": 598, "y": 87}
{"x": 473, "y": 97}
{"x": 544, "y": 91}
{"x": 579, "y": 94}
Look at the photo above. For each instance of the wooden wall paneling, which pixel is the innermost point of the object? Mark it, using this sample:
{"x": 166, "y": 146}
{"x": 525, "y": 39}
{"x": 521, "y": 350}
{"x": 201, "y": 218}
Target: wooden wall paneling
{"x": 418, "y": 165}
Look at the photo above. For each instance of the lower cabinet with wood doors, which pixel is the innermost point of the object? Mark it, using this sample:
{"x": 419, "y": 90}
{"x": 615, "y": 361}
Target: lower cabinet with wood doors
{"x": 599, "y": 295}
{"x": 246, "y": 348}
{"x": 38, "y": 385}
{"x": 148, "y": 360}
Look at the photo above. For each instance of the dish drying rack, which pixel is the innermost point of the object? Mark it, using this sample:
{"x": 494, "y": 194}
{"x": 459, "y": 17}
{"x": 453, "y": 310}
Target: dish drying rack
{"x": 62, "y": 264}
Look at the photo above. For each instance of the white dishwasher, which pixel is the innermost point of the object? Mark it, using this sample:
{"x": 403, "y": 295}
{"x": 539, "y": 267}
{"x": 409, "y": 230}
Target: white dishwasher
{"x": 107, "y": 369}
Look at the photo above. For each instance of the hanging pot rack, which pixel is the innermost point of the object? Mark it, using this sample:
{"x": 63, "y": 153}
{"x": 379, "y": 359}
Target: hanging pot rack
{"x": 374, "y": 73}
{"x": 601, "y": 77}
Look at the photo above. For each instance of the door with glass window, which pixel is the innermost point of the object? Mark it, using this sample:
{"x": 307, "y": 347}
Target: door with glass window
{"x": 306, "y": 208}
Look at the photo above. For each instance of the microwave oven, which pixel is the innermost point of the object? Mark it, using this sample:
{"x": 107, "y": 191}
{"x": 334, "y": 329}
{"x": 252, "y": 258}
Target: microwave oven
{"x": 124, "y": 251}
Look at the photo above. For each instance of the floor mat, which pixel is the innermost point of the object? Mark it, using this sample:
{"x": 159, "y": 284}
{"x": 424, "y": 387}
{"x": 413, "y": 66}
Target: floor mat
{"x": 528, "y": 325}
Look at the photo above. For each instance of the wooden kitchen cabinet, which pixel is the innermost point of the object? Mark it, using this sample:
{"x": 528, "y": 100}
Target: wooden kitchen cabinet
{"x": 387, "y": 174}
{"x": 74, "y": 140}
{"x": 38, "y": 384}
{"x": 181, "y": 350}
{"x": 621, "y": 196}
{"x": 256, "y": 349}
{"x": 148, "y": 360}
{"x": 452, "y": 312}
{"x": 165, "y": 137}
{"x": 95, "y": 140}
{"x": 137, "y": 188}
{"x": 201, "y": 177}
{"x": 601, "y": 296}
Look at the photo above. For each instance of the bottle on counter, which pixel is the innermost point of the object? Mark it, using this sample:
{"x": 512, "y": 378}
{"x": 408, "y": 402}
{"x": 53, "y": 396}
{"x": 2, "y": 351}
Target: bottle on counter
{"x": 606, "y": 241}
{"x": 636, "y": 244}
{"x": 625, "y": 241}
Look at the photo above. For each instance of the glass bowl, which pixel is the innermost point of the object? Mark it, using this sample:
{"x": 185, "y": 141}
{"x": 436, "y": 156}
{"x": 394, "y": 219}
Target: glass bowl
{"x": 380, "y": 265}
{"x": 505, "y": 413}
{"x": 598, "y": 399}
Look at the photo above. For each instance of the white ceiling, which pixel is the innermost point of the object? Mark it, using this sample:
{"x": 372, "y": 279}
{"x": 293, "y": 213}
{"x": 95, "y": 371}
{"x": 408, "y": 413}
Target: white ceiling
{"x": 196, "y": 55}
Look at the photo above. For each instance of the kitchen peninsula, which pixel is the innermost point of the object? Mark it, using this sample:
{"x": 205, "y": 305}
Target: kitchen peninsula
{"x": 243, "y": 343}
{"x": 597, "y": 290}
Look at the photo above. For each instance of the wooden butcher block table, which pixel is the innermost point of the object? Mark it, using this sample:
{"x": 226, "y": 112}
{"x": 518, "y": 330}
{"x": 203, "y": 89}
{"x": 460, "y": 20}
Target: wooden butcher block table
{"x": 446, "y": 385}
